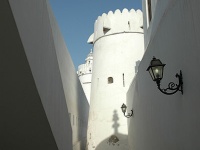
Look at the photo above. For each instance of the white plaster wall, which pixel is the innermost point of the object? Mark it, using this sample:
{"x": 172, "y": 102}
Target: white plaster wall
{"x": 161, "y": 121}
{"x": 54, "y": 73}
{"x": 78, "y": 107}
{"x": 159, "y": 9}
{"x": 86, "y": 80}
{"x": 115, "y": 54}
{"x": 24, "y": 122}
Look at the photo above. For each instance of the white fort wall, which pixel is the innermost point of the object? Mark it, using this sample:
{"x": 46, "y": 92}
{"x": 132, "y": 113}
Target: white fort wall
{"x": 86, "y": 84}
{"x": 30, "y": 120}
{"x": 54, "y": 73}
{"x": 115, "y": 55}
{"x": 163, "y": 122}
{"x": 32, "y": 20}
{"x": 78, "y": 107}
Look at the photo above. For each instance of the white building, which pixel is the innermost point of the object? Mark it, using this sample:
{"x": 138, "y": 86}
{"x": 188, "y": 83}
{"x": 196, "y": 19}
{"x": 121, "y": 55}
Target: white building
{"x": 85, "y": 75}
{"x": 118, "y": 46}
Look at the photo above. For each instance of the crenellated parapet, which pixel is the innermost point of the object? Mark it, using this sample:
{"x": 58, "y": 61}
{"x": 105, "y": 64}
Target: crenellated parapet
{"x": 117, "y": 22}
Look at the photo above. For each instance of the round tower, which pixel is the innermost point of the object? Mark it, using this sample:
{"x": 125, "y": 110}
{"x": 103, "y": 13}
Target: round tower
{"x": 118, "y": 46}
{"x": 85, "y": 75}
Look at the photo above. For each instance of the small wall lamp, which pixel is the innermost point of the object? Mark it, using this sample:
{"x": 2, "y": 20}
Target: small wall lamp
{"x": 155, "y": 69}
{"x": 124, "y": 107}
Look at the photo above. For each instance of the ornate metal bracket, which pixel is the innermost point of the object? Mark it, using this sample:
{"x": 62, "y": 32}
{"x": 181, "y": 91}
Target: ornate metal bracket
{"x": 172, "y": 86}
{"x": 129, "y": 114}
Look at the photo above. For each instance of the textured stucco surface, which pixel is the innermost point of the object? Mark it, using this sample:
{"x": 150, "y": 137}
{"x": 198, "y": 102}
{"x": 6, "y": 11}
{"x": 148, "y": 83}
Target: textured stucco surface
{"x": 161, "y": 121}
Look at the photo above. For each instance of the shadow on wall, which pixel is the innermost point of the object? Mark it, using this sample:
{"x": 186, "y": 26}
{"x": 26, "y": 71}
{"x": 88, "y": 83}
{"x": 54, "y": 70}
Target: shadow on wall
{"x": 137, "y": 65}
{"x": 116, "y": 141}
{"x": 81, "y": 119}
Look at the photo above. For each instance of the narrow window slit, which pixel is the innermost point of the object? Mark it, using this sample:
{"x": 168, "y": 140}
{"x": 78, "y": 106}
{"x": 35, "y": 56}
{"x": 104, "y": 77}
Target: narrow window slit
{"x": 149, "y": 10}
{"x": 129, "y": 25}
{"x": 123, "y": 80}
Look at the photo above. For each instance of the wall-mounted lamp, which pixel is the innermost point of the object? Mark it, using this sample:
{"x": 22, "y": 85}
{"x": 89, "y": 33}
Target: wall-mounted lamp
{"x": 156, "y": 71}
{"x": 124, "y": 107}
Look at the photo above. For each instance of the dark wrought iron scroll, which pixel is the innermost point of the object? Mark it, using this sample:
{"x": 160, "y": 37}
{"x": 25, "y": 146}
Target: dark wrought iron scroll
{"x": 172, "y": 87}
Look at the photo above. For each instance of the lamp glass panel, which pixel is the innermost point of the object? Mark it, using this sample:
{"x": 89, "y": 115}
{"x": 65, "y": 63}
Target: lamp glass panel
{"x": 152, "y": 74}
{"x": 158, "y": 72}
{"x": 123, "y": 108}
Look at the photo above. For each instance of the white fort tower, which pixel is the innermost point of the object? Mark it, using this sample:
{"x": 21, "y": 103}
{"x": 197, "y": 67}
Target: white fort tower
{"x": 85, "y": 75}
{"x": 118, "y": 45}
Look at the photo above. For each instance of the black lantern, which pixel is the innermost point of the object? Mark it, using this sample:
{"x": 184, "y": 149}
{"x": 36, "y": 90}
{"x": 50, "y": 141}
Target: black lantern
{"x": 156, "y": 69}
{"x": 124, "y": 107}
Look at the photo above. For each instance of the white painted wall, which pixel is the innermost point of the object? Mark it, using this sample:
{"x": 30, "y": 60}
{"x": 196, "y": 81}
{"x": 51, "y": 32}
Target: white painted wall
{"x": 115, "y": 54}
{"x": 78, "y": 107}
{"x": 54, "y": 73}
{"x": 86, "y": 80}
{"x": 27, "y": 116}
{"x": 161, "y": 121}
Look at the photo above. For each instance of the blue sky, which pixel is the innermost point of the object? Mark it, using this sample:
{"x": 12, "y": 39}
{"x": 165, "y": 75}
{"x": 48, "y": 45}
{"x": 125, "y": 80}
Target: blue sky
{"x": 76, "y": 21}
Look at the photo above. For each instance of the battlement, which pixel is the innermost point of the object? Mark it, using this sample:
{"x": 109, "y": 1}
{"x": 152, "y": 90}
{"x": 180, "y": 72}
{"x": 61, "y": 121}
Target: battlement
{"x": 117, "y": 22}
